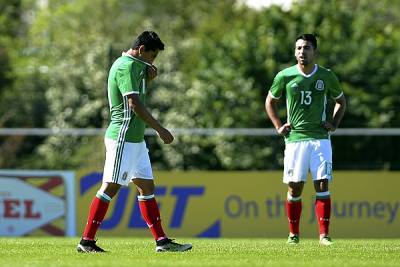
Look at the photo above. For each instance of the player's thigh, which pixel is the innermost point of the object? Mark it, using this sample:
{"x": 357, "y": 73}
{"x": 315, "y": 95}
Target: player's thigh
{"x": 121, "y": 161}
{"x": 143, "y": 174}
{"x": 296, "y": 162}
{"x": 143, "y": 168}
{"x": 321, "y": 160}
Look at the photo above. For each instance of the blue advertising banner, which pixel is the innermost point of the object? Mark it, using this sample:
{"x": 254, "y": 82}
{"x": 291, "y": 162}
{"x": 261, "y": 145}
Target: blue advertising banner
{"x": 249, "y": 204}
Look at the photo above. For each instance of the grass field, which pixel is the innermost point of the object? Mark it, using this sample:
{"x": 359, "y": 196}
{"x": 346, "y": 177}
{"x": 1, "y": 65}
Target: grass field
{"x": 46, "y": 251}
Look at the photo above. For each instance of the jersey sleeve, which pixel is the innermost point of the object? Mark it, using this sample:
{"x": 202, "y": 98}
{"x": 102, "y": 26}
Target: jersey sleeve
{"x": 126, "y": 83}
{"x": 277, "y": 86}
{"x": 335, "y": 89}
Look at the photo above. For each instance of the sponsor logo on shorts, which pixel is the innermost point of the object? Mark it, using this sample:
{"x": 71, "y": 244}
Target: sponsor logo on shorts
{"x": 290, "y": 172}
{"x": 124, "y": 176}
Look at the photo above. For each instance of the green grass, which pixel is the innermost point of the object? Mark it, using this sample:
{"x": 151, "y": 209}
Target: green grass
{"x": 36, "y": 251}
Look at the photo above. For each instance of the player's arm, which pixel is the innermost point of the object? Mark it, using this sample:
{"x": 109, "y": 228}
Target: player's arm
{"x": 272, "y": 112}
{"x": 338, "y": 112}
{"x": 137, "y": 106}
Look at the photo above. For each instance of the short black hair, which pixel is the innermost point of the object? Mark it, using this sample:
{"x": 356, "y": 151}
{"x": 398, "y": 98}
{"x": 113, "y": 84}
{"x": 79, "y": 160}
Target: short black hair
{"x": 150, "y": 40}
{"x": 308, "y": 37}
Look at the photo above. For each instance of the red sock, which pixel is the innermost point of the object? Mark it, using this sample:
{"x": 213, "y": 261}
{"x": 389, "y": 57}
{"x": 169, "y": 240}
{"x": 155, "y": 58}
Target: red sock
{"x": 323, "y": 213}
{"x": 97, "y": 211}
{"x": 151, "y": 215}
{"x": 293, "y": 210}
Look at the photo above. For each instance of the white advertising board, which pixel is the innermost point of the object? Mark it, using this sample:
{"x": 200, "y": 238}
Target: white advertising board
{"x": 32, "y": 200}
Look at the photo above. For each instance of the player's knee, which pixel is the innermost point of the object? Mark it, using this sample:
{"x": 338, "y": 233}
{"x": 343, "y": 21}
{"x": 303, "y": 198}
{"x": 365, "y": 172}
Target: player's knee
{"x": 294, "y": 193}
{"x": 295, "y": 189}
{"x": 103, "y": 196}
{"x": 144, "y": 187}
{"x": 146, "y": 191}
{"x": 321, "y": 185}
{"x": 291, "y": 198}
{"x": 110, "y": 189}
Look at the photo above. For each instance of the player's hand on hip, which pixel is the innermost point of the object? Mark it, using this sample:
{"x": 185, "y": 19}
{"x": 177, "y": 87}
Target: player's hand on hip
{"x": 329, "y": 126}
{"x": 284, "y": 129}
{"x": 152, "y": 72}
{"x": 166, "y": 136}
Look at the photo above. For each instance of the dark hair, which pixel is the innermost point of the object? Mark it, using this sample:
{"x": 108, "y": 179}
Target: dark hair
{"x": 308, "y": 37}
{"x": 150, "y": 40}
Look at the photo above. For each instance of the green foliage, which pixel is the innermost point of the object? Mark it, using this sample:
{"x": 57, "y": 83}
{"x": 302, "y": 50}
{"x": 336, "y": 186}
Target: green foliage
{"x": 219, "y": 62}
{"x": 21, "y": 99}
{"x": 359, "y": 41}
{"x": 217, "y": 93}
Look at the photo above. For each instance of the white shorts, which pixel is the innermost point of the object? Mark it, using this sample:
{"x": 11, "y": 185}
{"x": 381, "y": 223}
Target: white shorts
{"x": 310, "y": 155}
{"x": 126, "y": 161}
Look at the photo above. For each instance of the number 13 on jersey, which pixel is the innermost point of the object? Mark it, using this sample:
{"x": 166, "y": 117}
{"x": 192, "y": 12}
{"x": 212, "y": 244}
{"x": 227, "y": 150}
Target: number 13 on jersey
{"x": 305, "y": 97}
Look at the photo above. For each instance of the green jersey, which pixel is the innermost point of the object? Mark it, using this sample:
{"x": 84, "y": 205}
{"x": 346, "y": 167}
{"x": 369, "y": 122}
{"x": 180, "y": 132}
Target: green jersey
{"x": 127, "y": 76}
{"x": 306, "y": 100}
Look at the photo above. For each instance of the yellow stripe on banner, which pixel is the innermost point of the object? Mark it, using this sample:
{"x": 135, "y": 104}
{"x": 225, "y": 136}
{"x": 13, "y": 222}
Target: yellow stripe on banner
{"x": 36, "y": 181}
{"x": 58, "y": 190}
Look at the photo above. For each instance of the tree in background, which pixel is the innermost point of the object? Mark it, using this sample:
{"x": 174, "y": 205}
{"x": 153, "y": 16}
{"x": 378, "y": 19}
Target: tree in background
{"x": 219, "y": 62}
{"x": 21, "y": 98}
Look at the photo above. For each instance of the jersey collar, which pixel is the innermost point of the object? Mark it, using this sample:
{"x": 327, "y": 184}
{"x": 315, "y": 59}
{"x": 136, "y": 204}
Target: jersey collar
{"x": 308, "y": 75}
{"x": 135, "y": 58}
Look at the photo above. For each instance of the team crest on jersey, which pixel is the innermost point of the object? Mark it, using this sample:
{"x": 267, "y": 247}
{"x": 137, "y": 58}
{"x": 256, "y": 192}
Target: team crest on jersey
{"x": 319, "y": 85}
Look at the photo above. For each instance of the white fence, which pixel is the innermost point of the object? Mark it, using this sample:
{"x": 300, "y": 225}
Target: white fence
{"x": 193, "y": 131}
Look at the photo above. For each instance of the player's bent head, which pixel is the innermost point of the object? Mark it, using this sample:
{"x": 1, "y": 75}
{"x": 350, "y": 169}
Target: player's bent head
{"x": 150, "y": 40}
{"x": 309, "y": 37}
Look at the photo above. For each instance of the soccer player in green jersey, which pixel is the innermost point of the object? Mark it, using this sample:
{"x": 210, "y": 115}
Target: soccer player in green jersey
{"x": 127, "y": 158}
{"x": 307, "y": 87}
